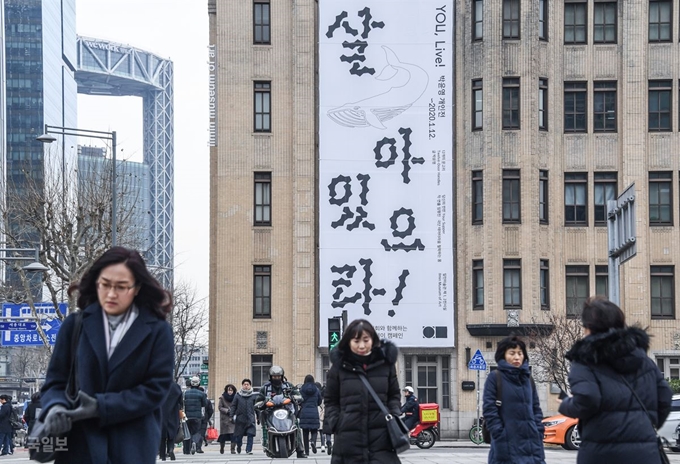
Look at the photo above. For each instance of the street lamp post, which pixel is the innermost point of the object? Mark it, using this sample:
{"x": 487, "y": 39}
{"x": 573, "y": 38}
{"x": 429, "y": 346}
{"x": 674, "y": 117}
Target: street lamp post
{"x": 47, "y": 138}
{"x": 34, "y": 266}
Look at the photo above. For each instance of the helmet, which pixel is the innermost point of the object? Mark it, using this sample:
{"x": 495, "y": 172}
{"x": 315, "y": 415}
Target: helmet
{"x": 195, "y": 381}
{"x": 408, "y": 389}
{"x": 276, "y": 370}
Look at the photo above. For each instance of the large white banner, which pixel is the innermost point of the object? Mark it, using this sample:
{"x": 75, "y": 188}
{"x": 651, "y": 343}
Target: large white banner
{"x": 385, "y": 167}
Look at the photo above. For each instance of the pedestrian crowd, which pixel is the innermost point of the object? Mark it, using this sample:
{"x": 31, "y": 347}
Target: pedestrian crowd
{"x": 97, "y": 389}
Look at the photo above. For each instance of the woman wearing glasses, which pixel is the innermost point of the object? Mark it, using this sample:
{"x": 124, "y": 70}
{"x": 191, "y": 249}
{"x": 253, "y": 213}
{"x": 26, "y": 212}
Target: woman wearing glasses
{"x": 124, "y": 360}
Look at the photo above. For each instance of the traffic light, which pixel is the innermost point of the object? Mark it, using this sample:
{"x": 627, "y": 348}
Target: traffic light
{"x": 333, "y": 332}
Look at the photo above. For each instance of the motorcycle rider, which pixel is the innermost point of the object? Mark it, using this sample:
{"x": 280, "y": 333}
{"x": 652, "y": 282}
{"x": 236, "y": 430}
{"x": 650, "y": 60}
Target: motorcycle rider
{"x": 410, "y": 408}
{"x": 278, "y": 385}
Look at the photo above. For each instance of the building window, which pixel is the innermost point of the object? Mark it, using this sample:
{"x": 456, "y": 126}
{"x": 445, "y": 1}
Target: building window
{"x": 660, "y": 199}
{"x": 660, "y": 105}
{"x": 543, "y": 196}
{"x": 511, "y": 19}
{"x": 545, "y": 284}
{"x": 575, "y": 23}
{"x": 604, "y": 27}
{"x": 543, "y": 104}
{"x": 478, "y": 284}
{"x": 477, "y": 105}
{"x": 605, "y": 190}
{"x": 575, "y": 106}
{"x": 670, "y": 369}
{"x": 543, "y": 19}
{"x": 263, "y": 198}
{"x": 512, "y": 283}
{"x": 511, "y": 103}
{"x": 261, "y": 22}
{"x": 662, "y": 292}
{"x": 578, "y": 289}
{"x": 477, "y": 19}
{"x": 604, "y": 106}
{"x": 262, "y": 290}
{"x": 602, "y": 280}
{"x": 477, "y": 197}
{"x": 260, "y": 369}
{"x": 575, "y": 199}
{"x": 511, "y": 196}
{"x": 422, "y": 373}
{"x": 263, "y": 109}
{"x": 660, "y": 20}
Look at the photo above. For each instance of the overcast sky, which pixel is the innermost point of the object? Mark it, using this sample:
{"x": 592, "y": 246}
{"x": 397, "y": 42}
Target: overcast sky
{"x": 177, "y": 30}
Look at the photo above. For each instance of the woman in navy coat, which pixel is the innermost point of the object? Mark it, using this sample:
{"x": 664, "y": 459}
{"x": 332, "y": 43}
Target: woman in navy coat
{"x": 516, "y": 428}
{"x": 309, "y": 412}
{"x": 124, "y": 365}
{"x": 612, "y": 424}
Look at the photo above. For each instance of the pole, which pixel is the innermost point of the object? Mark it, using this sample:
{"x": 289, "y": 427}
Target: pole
{"x": 613, "y": 268}
{"x": 479, "y": 431}
{"x": 114, "y": 192}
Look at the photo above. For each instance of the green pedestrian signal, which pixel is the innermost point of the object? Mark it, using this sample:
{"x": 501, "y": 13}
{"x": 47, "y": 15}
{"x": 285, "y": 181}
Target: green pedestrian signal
{"x": 334, "y": 333}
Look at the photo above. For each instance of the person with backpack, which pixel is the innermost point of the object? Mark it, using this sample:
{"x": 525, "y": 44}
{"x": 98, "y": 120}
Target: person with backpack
{"x": 514, "y": 417}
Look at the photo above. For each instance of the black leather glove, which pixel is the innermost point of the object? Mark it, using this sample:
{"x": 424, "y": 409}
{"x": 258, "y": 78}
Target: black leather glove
{"x": 56, "y": 421}
{"x": 87, "y": 407}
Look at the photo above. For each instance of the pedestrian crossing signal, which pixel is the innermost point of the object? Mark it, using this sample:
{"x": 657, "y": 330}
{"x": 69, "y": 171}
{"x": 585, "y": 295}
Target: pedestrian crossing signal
{"x": 334, "y": 333}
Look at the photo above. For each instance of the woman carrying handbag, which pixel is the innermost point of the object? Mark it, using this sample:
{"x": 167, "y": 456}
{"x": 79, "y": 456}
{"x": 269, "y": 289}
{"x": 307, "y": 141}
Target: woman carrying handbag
{"x": 351, "y": 412}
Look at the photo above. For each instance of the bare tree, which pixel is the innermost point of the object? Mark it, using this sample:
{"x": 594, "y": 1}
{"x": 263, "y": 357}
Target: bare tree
{"x": 547, "y": 358}
{"x": 189, "y": 325}
{"x": 67, "y": 215}
{"x": 29, "y": 361}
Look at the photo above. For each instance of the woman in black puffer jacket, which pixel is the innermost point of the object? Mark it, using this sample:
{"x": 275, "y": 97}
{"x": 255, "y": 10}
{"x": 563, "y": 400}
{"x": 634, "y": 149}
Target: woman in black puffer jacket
{"x": 612, "y": 423}
{"x": 350, "y": 412}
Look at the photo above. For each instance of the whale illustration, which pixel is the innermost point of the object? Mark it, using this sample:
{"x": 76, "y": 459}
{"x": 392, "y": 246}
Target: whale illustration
{"x": 407, "y": 82}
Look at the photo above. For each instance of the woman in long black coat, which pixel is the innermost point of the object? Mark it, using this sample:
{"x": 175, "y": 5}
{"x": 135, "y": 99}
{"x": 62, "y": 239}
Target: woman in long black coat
{"x": 515, "y": 427}
{"x": 309, "y": 412}
{"x": 350, "y": 412}
{"x": 612, "y": 424}
{"x": 170, "y": 414}
{"x": 243, "y": 412}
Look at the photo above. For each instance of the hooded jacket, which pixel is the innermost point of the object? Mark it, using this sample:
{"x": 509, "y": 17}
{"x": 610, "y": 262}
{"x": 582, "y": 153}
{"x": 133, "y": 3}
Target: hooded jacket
{"x": 309, "y": 410}
{"x": 351, "y": 413}
{"x": 612, "y": 424}
{"x": 516, "y": 428}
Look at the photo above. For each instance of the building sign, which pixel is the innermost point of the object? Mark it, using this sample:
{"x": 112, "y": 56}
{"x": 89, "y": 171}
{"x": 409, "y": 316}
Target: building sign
{"x": 26, "y": 334}
{"x": 212, "y": 95}
{"x": 385, "y": 168}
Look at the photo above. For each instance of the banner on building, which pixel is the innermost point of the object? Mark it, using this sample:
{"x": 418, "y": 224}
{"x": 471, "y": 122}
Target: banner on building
{"x": 385, "y": 170}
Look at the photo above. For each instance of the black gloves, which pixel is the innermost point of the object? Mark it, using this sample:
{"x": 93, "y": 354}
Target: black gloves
{"x": 57, "y": 422}
{"x": 87, "y": 407}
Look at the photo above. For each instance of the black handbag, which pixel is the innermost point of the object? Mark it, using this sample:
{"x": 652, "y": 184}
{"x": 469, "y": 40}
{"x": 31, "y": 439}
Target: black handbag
{"x": 396, "y": 429}
{"x": 179, "y": 436}
{"x": 43, "y": 447}
{"x": 659, "y": 443}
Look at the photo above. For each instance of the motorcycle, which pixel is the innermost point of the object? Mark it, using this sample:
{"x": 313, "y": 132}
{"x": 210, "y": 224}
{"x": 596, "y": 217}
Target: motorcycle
{"x": 426, "y": 432}
{"x": 278, "y": 415}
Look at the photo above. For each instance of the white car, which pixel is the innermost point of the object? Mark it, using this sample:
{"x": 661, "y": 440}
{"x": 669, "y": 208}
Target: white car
{"x": 667, "y": 430}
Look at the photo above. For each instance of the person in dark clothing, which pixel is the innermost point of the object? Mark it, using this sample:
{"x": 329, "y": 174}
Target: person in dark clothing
{"x": 5, "y": 425}
{"x": 309, "y": 412}
{"x": 170, "y": 424}
{"x": 351, "y": 413}
{"x": 515, "y": 426}
{"x": 411, "y": 408}
{"x": 243, "y": 411}
{"x": 226, "y": 422}
{"x": 32, "y": 411}
{"x": 205, "y": 421}
{"x": 195, "y": 403}
{"x": 613, "y": 426}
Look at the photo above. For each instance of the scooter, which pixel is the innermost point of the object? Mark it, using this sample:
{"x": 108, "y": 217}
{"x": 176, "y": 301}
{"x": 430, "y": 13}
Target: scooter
{"x": 426, "y": 432}
{"x": 279, "y": 419}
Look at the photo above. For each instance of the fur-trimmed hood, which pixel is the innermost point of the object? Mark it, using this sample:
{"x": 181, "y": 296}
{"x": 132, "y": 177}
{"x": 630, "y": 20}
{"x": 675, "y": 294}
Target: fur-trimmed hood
{"x": 387, "y": 351}
{"x": 622, "y": 349}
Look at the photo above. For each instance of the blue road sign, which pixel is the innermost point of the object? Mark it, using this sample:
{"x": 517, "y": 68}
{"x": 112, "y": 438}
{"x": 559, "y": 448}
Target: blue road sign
{"x": 18, "y": 325}
{"x": 477, "y": 363}
{"x": 47, "y": 317}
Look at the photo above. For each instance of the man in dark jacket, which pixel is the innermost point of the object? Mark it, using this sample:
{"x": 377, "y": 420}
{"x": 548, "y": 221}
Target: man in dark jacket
{"x": 612, "y": 424}
{"x": 195, "y": 403}
{"x": 5, "y": 426}
{"x": 410, "y": 409}
{"x": 170, "y": 421}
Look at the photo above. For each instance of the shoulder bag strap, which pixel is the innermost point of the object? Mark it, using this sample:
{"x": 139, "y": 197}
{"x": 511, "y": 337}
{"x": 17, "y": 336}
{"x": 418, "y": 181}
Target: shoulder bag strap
{"x": 375, "y": 396}
{"x": 639, "y": 400}
{"x": 499, "y": 389}
{"x": 72, "y": 386}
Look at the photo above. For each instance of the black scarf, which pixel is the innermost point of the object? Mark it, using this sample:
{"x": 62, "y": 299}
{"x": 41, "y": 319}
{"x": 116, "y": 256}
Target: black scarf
{"x": 228, "y": 397}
